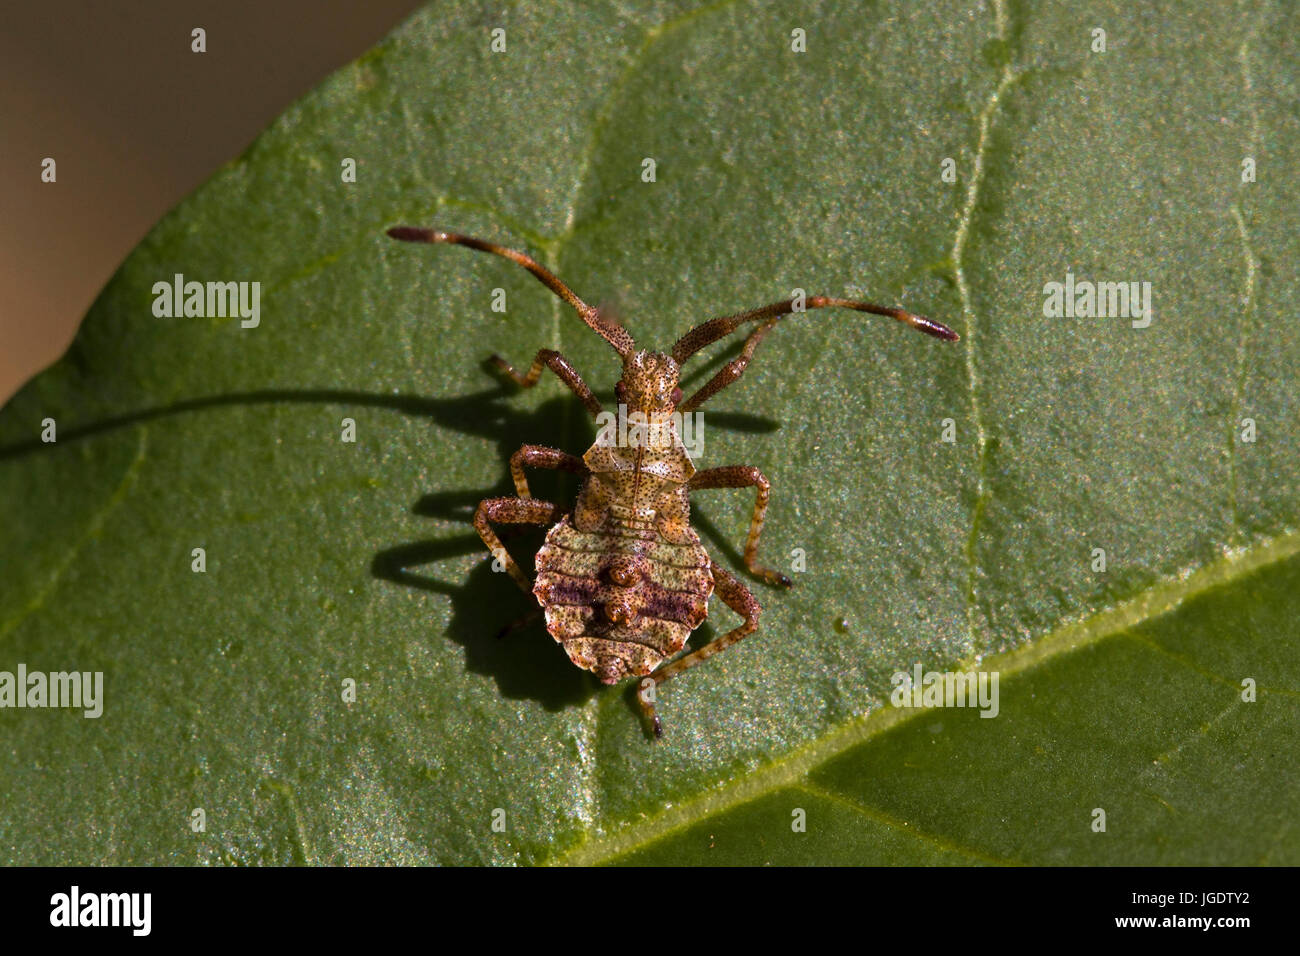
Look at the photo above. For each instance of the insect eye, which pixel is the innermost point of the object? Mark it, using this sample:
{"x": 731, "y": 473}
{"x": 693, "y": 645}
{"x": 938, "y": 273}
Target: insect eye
{"x": 677, "y": 395}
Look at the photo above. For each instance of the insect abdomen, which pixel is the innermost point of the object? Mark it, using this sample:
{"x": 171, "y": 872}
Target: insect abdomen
{"x": 620, "y": 601}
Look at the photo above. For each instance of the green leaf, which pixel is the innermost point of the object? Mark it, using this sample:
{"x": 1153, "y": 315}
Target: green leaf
{"x": 329, "y": 561}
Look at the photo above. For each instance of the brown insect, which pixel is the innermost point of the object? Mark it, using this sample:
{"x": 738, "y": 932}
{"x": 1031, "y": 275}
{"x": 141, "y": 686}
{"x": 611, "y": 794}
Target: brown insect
{"x": 623, "y": 578}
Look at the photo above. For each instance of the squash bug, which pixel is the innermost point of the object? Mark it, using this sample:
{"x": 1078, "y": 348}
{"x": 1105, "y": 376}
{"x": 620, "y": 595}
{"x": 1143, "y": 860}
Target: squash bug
{"x": 622, "y": 576}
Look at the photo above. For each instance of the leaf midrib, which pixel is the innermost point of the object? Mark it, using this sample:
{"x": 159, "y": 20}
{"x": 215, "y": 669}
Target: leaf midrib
{"x": 793, "y": 769}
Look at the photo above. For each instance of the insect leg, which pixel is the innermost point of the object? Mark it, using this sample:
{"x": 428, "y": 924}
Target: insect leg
{"x": 737, "y": 597}
{"x": 512, "y": 511}
{"x": 744, "y": 476}
{"x": 557, "y": 363}
{"x": 522, "y": 621}
{"x": 539, "y": 456}
{"x": 729, "y": 372}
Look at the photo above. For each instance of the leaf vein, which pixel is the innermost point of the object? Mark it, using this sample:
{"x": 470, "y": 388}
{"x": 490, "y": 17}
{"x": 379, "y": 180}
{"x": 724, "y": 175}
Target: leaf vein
{"x": 92, "y": 529}
{"x": 879, "y": 816}
{"x": 986, "y": 119}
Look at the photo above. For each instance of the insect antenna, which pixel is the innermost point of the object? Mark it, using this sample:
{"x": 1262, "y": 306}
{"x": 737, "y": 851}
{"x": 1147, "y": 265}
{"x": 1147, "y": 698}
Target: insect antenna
{"x": 611, "y": 332}
{"x": 706, "y": 333}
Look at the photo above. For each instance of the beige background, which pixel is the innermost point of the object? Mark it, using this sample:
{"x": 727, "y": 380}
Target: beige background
{"x": 135, "y": 121}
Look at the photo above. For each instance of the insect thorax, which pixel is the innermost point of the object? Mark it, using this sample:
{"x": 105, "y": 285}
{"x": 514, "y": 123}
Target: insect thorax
{"x": 636, "y": 486}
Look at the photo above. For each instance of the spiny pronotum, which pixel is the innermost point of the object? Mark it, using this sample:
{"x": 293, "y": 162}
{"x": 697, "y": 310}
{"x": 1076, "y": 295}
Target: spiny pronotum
{"x": 622, "y": 577}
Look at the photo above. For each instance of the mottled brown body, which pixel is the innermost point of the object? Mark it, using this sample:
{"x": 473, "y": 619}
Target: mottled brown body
{"x": 623, "y": 579}
{"x": 621, "y": 604}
